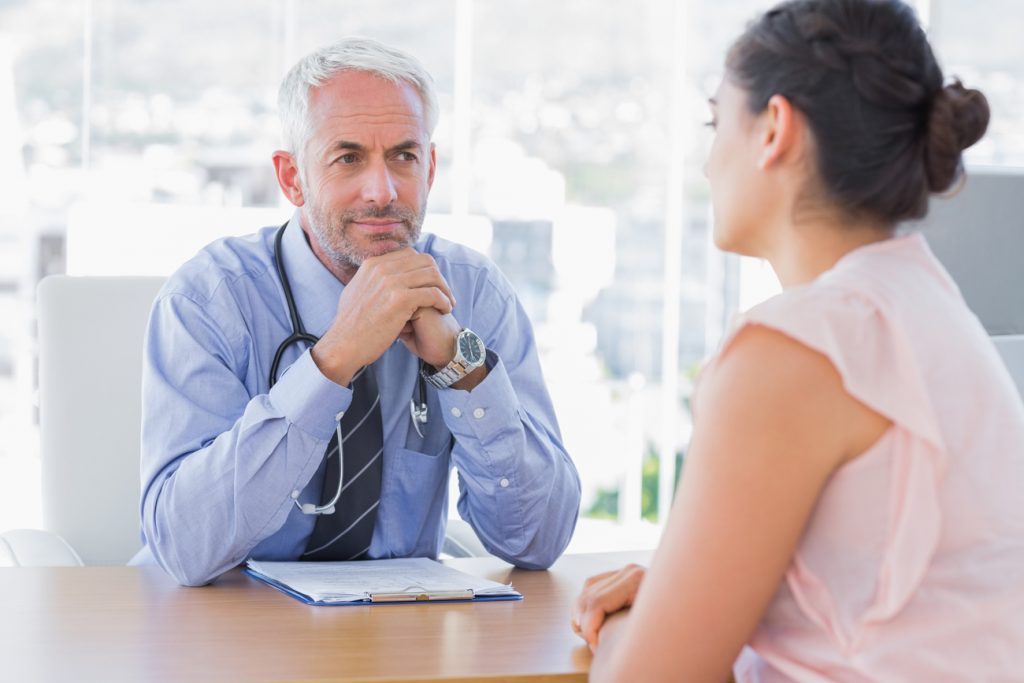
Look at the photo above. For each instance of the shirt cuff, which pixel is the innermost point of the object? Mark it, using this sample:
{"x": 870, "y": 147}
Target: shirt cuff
{"x": 485, "y": 412}
{"x": 308, "y": 399}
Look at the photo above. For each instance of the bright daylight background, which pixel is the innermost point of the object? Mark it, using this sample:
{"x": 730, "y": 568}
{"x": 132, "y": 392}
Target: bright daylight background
{"x": 570, "y": 149}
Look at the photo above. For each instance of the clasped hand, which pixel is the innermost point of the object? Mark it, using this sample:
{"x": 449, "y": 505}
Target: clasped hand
{"x": 398, "y": 295}
{"x": 602, "y": 596}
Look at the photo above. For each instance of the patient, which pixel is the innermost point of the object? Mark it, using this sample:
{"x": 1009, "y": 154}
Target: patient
{"x": 850, "y": 507}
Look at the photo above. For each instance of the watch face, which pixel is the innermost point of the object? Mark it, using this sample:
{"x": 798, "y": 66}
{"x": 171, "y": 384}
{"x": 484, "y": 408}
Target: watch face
{"x": 471, "y": 348}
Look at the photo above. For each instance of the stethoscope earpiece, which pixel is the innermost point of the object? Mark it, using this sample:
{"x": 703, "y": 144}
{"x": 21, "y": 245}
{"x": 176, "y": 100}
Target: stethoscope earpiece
{"x": 418, "y": 413}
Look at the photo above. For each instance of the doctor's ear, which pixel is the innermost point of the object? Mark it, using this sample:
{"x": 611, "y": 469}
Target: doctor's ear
{"x": 287, "y": 170}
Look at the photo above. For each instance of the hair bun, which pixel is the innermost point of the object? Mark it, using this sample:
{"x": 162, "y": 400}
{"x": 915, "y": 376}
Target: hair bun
{"x": 957, "y": 119}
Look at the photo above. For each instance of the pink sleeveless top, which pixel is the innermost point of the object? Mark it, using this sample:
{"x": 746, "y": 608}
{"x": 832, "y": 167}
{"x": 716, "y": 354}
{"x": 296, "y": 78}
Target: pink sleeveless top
{"x": 912, "y": 566}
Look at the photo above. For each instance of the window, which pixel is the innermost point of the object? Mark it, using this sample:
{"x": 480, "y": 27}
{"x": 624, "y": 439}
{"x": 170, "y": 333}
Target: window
{"x": 569, "y": 148}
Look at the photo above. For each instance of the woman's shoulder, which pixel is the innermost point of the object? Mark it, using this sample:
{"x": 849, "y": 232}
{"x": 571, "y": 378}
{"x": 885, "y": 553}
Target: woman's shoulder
{"x": 861, "y": 333}
{"x": 827, "y": 317}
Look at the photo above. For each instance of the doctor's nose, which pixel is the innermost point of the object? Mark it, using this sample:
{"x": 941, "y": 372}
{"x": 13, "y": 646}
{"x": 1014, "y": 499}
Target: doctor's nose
{"x": 378, "y": 185}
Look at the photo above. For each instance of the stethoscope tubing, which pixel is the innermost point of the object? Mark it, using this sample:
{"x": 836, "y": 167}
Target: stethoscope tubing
{"x": 417, "y": 406}
{"x": 299, "y": 333}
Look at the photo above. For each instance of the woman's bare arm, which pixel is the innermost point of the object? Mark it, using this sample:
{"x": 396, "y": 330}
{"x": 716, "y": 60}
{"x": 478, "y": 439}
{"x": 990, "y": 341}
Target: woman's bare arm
{"x": 772, "y": 423}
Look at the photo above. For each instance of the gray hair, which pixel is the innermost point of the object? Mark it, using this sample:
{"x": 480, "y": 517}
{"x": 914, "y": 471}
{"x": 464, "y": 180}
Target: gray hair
{"x": 348, "y": 54}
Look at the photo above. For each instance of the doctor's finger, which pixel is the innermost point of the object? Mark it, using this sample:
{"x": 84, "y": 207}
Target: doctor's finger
{"x": 404, "y": 268}
{"x": 426, "y": 297}
{"x": 425, "y": 276}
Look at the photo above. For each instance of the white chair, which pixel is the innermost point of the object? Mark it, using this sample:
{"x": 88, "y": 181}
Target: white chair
{"x": 36, "y": 548}
{"x": 90, "y": 373}
{"x": 91, "y": 332}
{"x": 461, "y": 541}
{"x": 1011, "y": 348}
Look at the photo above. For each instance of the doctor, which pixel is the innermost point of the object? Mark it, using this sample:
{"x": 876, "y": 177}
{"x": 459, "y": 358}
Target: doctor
{"x": 307, "y": 388}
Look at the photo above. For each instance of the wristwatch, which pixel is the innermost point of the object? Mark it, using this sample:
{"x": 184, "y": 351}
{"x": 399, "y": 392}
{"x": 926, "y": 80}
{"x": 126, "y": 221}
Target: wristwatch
{"x": 470, "y": 354}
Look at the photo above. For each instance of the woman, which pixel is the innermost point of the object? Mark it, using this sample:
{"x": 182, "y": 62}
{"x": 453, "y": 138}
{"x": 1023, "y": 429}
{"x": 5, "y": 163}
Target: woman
{"x": 850, "y": 508}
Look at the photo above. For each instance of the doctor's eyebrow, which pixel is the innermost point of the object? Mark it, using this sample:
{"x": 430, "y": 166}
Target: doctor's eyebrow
{"x": 357, "y": 147}
{"x": 406, "y": 145}
{"x": 346, "y": 144}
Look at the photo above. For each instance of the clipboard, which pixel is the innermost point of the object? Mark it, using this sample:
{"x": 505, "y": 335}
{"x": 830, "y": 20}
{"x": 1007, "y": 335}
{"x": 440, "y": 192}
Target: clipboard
{"x": 308, "y": 582}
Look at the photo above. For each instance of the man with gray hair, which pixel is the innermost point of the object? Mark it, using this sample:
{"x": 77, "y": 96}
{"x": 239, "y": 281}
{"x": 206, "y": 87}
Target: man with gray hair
{"x": 307, "y": 388}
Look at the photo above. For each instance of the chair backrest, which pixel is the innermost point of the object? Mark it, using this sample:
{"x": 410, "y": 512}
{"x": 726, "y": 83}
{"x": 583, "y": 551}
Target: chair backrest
{"x": 91, "y": 333}
{"x": 977, "y": 234}
{"x": 1011, "y": 348}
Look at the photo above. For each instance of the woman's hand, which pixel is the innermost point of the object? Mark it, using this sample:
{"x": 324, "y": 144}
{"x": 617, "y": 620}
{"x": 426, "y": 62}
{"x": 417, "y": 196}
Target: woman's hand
{"x": 603, "y": 595}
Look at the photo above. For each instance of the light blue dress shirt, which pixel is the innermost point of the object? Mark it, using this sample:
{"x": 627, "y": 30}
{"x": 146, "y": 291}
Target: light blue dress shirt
{"x": 222, "y": 453}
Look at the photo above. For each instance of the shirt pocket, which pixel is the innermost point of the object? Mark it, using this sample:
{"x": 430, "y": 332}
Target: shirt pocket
{"x": 436, "y": 439}
{"x": 421, "y": 502}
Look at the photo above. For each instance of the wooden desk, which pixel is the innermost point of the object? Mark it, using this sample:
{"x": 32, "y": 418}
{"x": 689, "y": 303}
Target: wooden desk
{"x": 137, "y": 624}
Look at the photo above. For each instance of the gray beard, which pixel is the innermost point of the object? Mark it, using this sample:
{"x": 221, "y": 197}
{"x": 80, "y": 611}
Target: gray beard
{"x": 332, "y": 232}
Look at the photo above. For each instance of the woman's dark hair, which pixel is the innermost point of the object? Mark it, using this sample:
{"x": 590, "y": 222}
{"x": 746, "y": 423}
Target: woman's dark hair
{"x": 887, "y": 131}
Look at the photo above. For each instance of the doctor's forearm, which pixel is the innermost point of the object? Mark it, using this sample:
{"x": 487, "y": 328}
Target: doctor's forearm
{"x": 206, "y": 515}
{"x": 206, "y": 509}
{"x": 522, "y": 489}
{"x": 525, "y": 507}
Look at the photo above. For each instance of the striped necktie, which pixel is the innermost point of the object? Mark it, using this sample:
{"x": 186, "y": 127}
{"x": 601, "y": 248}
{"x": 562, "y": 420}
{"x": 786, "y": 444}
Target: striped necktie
{"x": 346, "y": 534}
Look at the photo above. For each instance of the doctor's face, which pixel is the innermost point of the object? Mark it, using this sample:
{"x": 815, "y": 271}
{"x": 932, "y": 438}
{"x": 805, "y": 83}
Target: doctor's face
{"x": 368, "y": 167}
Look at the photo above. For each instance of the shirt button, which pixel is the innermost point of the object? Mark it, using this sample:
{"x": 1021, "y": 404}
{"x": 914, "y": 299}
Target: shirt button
{"x": 456, "y": 412}
{"x": 478, "y": 413}
{"x": 295, "y": 493}
{"x": 503, "y": 483}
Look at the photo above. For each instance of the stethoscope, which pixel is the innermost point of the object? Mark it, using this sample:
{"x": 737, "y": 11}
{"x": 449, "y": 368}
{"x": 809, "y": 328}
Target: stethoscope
{"x": 417, "y": 405}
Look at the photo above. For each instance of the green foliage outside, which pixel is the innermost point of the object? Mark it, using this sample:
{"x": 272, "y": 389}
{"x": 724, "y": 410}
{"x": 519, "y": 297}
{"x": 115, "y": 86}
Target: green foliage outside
{"x": 606, "y": 504}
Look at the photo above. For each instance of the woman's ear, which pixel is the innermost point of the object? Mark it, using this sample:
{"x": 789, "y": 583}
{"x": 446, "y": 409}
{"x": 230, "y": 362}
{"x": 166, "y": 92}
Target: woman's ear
{"x": 782, "y": 135}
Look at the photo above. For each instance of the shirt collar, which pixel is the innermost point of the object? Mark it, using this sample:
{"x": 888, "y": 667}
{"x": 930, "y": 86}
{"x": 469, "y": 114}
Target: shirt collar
{"x": 315, "y": 289}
